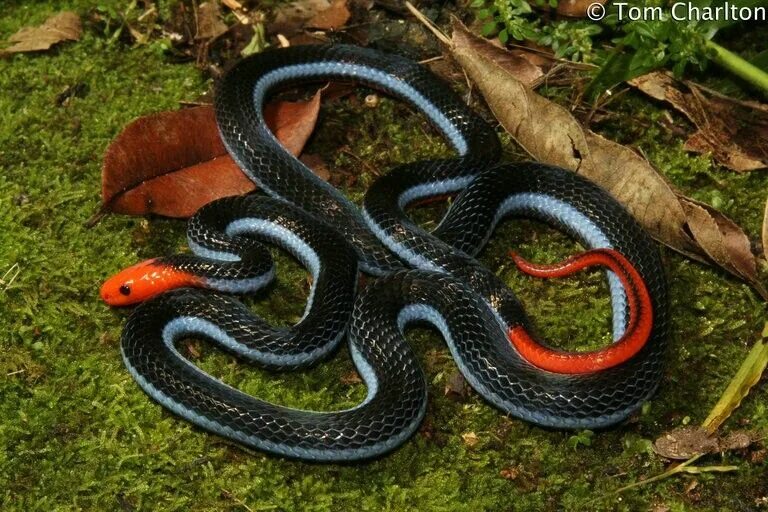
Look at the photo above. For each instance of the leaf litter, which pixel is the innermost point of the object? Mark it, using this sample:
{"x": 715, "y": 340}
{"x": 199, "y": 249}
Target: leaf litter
{"x": 64, "y": 26}
{"x": 550, "y": 134}
{"x": 734, "y": 132}
{"x": 172, "y": 163}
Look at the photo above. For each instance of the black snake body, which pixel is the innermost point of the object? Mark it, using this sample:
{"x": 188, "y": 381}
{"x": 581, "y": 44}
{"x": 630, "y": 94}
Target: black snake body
{"x": 447, "y": 287}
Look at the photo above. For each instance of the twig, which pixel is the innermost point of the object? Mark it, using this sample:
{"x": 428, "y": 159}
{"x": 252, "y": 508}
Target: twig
{"x": 13, "y": 272}
{"x": 683, "y": 467}
{"x": 428, "y": 23}
{"x": 431, "y": 59}
{"x": 96, "y": 217}
{"x": 234, "y": 498}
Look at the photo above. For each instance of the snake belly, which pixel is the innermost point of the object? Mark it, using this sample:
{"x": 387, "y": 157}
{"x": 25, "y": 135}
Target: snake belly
{"x": 424, "y": 277}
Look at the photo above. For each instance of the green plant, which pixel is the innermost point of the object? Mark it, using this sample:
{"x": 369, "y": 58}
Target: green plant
{"x": 624, "y": 48}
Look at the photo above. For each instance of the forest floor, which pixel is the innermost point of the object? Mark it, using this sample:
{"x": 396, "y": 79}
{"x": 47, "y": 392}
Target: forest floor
{"x": 78, "y": 434}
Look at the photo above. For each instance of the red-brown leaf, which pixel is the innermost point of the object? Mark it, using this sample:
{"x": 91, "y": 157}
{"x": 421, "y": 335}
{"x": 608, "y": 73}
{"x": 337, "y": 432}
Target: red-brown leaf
{"x": 172, "y": 163}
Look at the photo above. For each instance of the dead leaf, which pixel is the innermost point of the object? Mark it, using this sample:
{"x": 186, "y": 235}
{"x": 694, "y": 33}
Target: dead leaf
{"x": 510, "y": 473}
{"x": 172, "y": 163}
{"x": 685, "y": 442}
{"x": 332, "y": 18}
{"x": 293, "y": 122}
{"x": 576, "y": 8}
{"x": 527, "y": 69}
{"x": 317, "y": 164}
{"x": 291, "y": 17}
{"x": 456, "y": 386}
{"x": 734, "y": 132}
{"x": 721, "y": 239}
{"x": 689, "y": 441}
{"x": 470, "y": 439}
{"x": 350, "y": 379}
{"x": 64, "y": 26}
{"x": 209, "y": 21}
{"x": 550, "y": 134}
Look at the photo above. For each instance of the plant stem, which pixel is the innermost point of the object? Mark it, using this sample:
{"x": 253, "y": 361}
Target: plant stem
{"x": 739, "y": 67}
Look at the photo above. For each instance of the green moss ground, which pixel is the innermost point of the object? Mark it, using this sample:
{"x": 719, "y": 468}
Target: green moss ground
{"x": 78, "y": 434}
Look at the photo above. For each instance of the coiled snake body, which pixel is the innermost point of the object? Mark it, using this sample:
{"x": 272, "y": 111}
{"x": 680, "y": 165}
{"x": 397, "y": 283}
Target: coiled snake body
{"x": 423, "y": 276}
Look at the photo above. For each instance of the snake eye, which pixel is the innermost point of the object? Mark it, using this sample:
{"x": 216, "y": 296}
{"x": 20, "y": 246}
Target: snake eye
{"x": 125, "y": 290}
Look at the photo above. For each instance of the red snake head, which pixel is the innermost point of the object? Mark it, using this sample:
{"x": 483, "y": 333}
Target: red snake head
{"x": 143, "y": 281}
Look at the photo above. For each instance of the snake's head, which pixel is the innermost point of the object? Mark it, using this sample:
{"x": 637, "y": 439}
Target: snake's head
{"x": 143, "y": 281}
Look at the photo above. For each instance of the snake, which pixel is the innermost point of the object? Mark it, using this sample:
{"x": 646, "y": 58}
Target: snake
{"x": 417, "y": 276}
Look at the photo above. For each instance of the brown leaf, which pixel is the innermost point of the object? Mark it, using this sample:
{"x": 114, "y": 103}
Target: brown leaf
{"x": 317, "y": 164}
{"x": 350, "y": 379}
{"x": 576, "y": 8}
{"x": 291, "y": 17}
{"x": 172, "y": 163}
{"x": 332, "y": 18}
{"x": 685, "y": 442}
{"x": 722, "y": 240}
{"x": 64, "y": 26}
{"x": 734, "y": 132}
{"x": 293, "y": 122}
{"x": 526, "y": 67}
{"x": 456, "y": 387}
{"x": 550, "y": 134}
{"x": 209, "y": 22}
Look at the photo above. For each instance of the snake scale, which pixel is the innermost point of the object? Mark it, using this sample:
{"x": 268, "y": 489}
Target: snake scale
{"x": 421, "y": 276}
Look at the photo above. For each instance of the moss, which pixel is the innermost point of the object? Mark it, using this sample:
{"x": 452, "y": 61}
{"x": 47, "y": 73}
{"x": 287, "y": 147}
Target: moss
{"x": 77, "y": 433}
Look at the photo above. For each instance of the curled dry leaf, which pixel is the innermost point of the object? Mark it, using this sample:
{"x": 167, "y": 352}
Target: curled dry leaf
{"x": 550, "y": 134}
{"x": 733, "y": 131}
{"x": 172, "y": 163}
{"x": 64, "y": 26}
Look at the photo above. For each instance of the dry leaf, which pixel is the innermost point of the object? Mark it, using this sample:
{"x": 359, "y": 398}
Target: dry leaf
{"x": 576, "y": 8}
{"x": 64, "y": 26}
{"x": 350, "y": 379}
{"x": 209, "y": 22}
{"x": 734, "y": 132}
{"x": 332, "y": 18}
{"x": 172, "y": 163}
{"x": 293, "y": 122}
{"x": 291, "y": 17}
{"x": 470, "y": 439}
{"x": 687, "y": 442}
{"x": 550, "y": 134}
{"x": 317, "y": 164}
{"x": 456, "y": 387}
{"x": 526, "y": 67}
